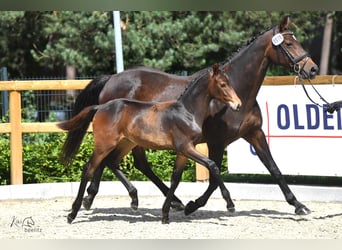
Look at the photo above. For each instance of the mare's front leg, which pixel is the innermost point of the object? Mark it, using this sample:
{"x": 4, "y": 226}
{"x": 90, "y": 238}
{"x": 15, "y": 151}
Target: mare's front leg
{"x": 141, "y": 163}
{"x": 258, "y": 140}
{"x": 216, "y": 152}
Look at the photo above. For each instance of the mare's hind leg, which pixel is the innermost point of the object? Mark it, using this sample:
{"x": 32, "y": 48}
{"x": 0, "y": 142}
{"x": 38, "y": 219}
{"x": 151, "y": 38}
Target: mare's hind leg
{"x": 258, "y": 140}
{"x": 141, "y": 163}
{"x": 175, "y": 179}
{"x": 132, "y": 191}
{"x": 216, "y": 154}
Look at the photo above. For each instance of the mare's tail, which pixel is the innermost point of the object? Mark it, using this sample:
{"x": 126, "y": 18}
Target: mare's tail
{"x": 87, "y": 97}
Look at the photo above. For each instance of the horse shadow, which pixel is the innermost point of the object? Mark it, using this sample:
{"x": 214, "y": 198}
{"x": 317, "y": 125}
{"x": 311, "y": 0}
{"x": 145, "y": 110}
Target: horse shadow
{"x": 153, "y": 214}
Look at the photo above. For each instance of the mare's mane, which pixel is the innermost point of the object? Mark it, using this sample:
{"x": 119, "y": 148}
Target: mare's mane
{"x": 243, "y": 47}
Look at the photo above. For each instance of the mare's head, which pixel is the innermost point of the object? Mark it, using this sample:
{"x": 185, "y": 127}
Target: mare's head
{"x": 286, "y": 50}
{"x": 220, "y": 88}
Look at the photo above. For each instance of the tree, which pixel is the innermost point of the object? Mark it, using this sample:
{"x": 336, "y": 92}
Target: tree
{"x": 44, "y": 43}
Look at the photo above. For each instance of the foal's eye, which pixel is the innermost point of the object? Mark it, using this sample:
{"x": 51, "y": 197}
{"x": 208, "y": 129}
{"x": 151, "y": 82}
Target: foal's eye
{"x": 223, "y": 85}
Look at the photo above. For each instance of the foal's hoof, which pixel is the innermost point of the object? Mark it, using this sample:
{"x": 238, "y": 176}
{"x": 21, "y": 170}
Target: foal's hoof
{"x": 190, "y": 207}
{"x": 87, "y": 203}
{"x": 177, "y": 205}
{"x": 165, "y": 221}
{"x": 302, "y": 211}
{"x": 70, "y": 218}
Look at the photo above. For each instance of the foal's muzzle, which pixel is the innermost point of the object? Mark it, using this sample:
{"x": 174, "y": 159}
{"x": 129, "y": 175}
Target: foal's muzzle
{"x": 235, "y": 106}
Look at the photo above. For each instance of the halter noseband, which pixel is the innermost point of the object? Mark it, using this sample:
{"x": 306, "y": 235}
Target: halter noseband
{"x": 294, "y": 61}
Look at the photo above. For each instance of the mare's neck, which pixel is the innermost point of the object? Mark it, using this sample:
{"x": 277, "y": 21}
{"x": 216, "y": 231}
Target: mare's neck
{"x": 248, "y": 68}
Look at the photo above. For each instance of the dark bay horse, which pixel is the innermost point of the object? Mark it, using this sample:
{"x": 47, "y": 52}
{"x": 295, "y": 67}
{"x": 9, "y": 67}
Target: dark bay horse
{"x": 246, "y": 68}
{"x": 121, "y": 124}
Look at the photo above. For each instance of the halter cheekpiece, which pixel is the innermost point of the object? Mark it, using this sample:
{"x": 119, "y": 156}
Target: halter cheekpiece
{"x": 277, "y": 41}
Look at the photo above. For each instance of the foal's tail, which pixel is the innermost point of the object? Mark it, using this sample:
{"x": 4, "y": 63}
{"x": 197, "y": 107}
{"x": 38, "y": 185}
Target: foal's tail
{"x": 76, "y": 123}
{"x": 87, "y": 97}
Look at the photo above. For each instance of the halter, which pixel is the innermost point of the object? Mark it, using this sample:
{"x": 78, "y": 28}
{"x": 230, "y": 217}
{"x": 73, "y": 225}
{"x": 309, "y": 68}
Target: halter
{"x": 277, "y": 41}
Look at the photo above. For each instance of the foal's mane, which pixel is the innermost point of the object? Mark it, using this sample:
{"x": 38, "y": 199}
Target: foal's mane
{"x": 202, "y": 72}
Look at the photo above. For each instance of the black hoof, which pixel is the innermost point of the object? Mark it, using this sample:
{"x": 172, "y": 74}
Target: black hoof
{"x": 134, "y": 205}
{"x": 87, "y": 203}
{"x": 165, "y": 221}
{"x": 190, "y": 207}
{"x": 302, "y": 211}
{"x": 70, "y": 218}
{"x": 177, "y": 205}
{"x": 231, "y": 209}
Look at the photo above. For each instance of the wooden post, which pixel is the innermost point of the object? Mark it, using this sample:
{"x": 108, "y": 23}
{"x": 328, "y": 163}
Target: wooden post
{"x": 324, "y": 65}
{"x": 202, "y": 173}
{"x": 16, "y": 138}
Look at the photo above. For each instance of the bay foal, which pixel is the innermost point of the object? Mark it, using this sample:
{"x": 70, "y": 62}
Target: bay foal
{"x": 120, "y": 125}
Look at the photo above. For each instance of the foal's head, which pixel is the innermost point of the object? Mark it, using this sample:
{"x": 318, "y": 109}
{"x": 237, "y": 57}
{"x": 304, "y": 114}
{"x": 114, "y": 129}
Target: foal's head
{"x": 220, "y": 88}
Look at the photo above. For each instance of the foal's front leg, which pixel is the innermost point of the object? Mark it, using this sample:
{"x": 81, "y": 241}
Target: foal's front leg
{"x": 216, "y": 152}
{"x": 214, "y": 174}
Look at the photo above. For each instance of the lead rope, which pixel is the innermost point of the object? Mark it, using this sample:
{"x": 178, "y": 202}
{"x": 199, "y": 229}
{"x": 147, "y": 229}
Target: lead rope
{"x": 330, "y": 107}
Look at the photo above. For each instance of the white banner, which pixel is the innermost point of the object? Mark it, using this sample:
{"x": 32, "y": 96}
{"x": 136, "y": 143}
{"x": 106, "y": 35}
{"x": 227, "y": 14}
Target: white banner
{"x": 303, "y": 139}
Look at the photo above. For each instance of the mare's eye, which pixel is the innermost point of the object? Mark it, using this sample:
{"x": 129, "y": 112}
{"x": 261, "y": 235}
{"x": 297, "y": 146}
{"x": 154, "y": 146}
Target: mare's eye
{"x": 289, "y": 44}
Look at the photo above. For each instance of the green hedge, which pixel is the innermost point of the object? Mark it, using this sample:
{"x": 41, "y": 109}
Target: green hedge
{"x": 41, "y": 161}
{"x": 42, "y": 165}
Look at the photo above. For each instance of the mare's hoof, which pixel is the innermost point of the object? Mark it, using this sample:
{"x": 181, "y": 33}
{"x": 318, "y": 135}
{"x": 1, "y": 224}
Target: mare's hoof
{"x": 134, "y": 205}
{"x": 302, "y": 211}
{"x": 86, "y": 203}
{"x": 70, "y": 218}
{"x": 190, "y": 207}
{"x": 231, "y": 209}
{"x": 177, "y": 205}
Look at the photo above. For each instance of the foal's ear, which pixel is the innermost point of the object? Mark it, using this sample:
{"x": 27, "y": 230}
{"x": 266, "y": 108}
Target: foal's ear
{"x": 215, "y": 69}
{"x": 285, "y": 24}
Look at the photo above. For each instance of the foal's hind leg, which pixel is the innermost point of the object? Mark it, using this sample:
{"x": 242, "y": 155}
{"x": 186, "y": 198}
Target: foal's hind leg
{"x": 93, "y": 188}
{"x": 111, "y": 162}
{"x": 87, "y": 173}
{"x": 141, "y": 163}
{"x": 100, "y": 152}
{"x": 78, "y": 201}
